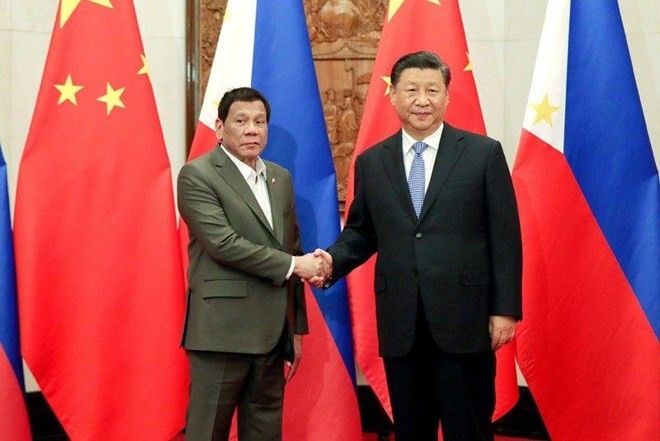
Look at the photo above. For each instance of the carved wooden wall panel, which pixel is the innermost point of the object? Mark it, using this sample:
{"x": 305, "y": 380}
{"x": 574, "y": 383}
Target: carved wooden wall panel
{"x": 344, "y": 35}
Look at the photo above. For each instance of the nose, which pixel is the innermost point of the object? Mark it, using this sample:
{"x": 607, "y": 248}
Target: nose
{"x": 251, "y": 127}
{"x": 422, "y": 99}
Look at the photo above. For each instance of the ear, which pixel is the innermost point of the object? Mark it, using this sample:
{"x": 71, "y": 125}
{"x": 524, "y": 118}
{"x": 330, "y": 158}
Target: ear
{"x": 219, "y": 126}
{"x": 392, "y": 93}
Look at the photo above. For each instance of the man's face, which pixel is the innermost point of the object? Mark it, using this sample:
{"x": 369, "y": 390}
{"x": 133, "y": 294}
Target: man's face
{"x": 420, "y": 100}
{"x": 245, "y": 130}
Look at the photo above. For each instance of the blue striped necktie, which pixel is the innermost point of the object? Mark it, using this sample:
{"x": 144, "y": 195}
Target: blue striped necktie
{"x": 417, "y": 179}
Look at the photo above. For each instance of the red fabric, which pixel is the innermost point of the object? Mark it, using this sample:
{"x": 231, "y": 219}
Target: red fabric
{"x": 319, "y": 401}
{"x": 14, "y": 423}
{"x": 577, "y": 302}
{"x": 416, "y": 25}
{"x": 99, "y": 270}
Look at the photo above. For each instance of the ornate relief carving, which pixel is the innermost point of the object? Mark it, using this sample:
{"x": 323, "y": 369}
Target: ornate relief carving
{"x": 211, "y": 16}
{"x": 344, "y": 35}
{"x": 344, "y": 28}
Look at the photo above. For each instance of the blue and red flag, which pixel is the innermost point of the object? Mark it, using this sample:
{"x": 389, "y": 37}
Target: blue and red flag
{"x": 14, "y": 424}
{"x": 265, "y": 44}
{"x": 589, "y": 197}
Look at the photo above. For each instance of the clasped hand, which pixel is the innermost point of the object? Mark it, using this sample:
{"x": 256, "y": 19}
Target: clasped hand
{"x": 314, "y": 267}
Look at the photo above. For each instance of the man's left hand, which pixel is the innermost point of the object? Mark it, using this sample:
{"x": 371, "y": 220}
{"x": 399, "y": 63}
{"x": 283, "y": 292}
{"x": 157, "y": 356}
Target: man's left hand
{"x": 291, "y": 368}
{"x": 502, "y": 329}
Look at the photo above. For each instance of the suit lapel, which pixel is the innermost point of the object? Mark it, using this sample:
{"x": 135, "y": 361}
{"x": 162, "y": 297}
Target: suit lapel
{"x": 276, "y": 195}
{"x": 449, "y": 150}
{"x": 396, "y": 172}
{"x": 230, "y": 173}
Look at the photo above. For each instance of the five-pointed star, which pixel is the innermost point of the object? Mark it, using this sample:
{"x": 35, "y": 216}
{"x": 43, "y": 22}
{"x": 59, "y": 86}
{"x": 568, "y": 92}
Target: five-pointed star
{"x": 544, "y": 111}
{"x": 145, "y": 68}
{"x": 68, "y": 91}
{"x": 469, "y": 65}
{"x": 112, "y": 98}
{"x": 67, "y": 7}
{"x": 396, "y": 4}
{"x": 388, "y": 83}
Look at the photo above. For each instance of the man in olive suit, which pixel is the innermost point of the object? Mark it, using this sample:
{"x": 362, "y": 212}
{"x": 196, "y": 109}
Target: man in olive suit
{"x": 246, "y": 307}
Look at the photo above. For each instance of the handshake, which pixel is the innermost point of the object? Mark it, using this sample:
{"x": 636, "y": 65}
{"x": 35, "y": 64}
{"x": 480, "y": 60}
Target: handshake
{"x": 314, "y": 267}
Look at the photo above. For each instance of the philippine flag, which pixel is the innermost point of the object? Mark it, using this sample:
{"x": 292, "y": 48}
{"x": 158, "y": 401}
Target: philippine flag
{"x": 265, "y": 44}
{"x": 589, "y": 197}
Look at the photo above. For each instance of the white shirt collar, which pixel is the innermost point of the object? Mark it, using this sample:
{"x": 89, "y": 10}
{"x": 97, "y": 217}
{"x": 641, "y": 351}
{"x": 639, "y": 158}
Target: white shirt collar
{"x": 247, "y": 171}
{"x": 433, "y": 140}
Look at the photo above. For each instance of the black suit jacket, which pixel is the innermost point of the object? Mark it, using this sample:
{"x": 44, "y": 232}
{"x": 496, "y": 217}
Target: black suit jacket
{"x": 463, "y": 256}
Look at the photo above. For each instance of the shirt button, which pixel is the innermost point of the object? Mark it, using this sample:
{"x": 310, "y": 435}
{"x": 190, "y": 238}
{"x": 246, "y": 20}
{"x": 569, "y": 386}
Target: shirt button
{"x": 418, "y": 235}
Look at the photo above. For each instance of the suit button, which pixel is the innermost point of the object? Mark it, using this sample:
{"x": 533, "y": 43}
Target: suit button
{"x": 418, "y": 235}
{"x": 415, "y": 272}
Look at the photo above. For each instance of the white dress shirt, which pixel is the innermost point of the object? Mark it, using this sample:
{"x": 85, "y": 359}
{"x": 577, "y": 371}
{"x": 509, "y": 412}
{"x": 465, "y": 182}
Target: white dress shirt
{"x": 429, "y": 153}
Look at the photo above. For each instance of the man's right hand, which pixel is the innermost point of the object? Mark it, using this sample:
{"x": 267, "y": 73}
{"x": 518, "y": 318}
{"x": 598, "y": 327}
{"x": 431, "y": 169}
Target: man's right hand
{"x": 326, "y": 258}
{"x": 308, "y": 266}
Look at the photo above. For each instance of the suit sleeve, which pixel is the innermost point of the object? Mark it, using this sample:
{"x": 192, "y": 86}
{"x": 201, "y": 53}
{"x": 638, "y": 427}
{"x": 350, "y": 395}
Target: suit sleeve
{"x": 504, "y": 237}
{"x": 357, "y": 241}
{"x": 207, "y": 221}
{"x": 299, "y": 322}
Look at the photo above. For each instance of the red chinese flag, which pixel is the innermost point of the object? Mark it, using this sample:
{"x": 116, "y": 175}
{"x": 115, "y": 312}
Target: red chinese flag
{"x": 410, "y": 26}
{"x": 99, "y": 270}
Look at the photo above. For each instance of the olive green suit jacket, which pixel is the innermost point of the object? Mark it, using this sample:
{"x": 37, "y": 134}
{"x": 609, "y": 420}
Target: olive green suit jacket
{"x": 238, "y": 297}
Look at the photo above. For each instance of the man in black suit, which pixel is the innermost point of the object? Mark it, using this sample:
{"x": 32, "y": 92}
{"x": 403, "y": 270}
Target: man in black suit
{"x": 448, "y": 272}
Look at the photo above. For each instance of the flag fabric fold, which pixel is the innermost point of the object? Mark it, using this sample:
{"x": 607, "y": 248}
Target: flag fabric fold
{"x": 14, "y": 423}
{"x": 265, "y": 45}
{"x": 410, "y": 26}
{"x": 97, "y": 254}
{"x": 589, "y": 198}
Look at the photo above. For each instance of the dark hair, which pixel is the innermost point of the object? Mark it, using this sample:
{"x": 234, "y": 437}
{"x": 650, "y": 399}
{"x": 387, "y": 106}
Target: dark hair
{"x": 243, "y": 94}
{"x": 420, "y": 60}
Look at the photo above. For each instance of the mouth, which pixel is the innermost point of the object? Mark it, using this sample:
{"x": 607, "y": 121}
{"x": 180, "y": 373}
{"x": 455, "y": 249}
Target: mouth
{"x": 421, "y": 115}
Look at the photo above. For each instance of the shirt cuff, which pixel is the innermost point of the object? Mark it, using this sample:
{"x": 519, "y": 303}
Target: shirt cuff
{"x": 293, "y": 264}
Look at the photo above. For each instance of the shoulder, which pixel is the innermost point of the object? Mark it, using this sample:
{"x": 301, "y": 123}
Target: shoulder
{"x": 376, "y": 150}
{"x": 276, "y": 170}
{"x": 464, "y": 135}
{"x": 200, "y": 166}
{"x": 201, "y": 160}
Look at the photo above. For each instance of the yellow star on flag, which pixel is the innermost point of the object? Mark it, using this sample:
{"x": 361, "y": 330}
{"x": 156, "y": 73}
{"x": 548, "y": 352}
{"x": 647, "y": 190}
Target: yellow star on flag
{"x": 67, "y": 7}
{"x": 544, "y": 111}
{"x": 388, "y": 83}
{"x": 469, "y": 65}
{"x": 145, "y": 68}
{"x": 394, "y": 6}
{"x": 112, "y": 98}
{"x": 68, "y": 91}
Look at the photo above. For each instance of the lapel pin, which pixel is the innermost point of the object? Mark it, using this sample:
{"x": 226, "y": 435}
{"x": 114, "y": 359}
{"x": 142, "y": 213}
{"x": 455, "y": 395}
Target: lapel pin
{"x": 272, "y": 181}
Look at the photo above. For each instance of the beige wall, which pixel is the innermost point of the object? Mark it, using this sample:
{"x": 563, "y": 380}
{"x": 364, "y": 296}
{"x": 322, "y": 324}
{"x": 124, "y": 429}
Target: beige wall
{"x": 502, "y": 37}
